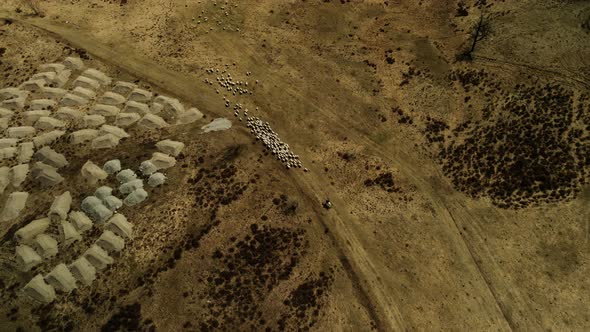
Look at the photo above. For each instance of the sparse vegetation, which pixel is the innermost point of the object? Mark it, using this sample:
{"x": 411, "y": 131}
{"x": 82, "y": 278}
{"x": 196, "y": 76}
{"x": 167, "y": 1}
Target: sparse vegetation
{"x": 34, "y": 5}
{"x": 462, "y": 9}
{"x": 380, "y": 137}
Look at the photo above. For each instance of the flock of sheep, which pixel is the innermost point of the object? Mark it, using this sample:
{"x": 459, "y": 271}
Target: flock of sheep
{"x": 260, "y": 129}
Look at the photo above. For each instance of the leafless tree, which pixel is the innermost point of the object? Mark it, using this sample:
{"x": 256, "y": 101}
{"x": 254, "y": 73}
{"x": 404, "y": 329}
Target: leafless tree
{"x": 480, "y": 30}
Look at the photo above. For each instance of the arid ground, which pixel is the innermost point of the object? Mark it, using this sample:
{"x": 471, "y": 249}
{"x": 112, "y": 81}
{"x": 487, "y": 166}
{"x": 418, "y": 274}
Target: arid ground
{"x": 459, "y": 186}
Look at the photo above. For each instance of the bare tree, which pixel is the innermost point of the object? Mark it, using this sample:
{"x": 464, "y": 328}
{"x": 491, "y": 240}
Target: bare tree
{"x": 480, "y": 30}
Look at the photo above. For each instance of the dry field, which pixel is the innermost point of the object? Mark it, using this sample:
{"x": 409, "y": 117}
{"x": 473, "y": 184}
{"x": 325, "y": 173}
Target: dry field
{"x": 459, "y": 188}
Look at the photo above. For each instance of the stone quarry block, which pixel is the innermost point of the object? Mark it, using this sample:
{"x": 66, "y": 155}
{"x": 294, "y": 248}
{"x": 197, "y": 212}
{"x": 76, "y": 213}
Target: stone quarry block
{"x": 25, "y": 152}
{"x": 124, "y": 88}
{"x": 136, "y": 197}
{"x": 105, "y": 110}
{"x": 39, "y": 290}
{"x": 4, "y": 123}
{"x": 162, "y": 161}
{"x": 61, "y": 278}
{"x": 116, "y": 131}
{"x": 27, "y": 257}
{"x": 50, "y": 157}
{"x": 71, "y": 99}
{"x": 21, "y": 132}
{"x": 47, "y": 138}
{"x": 112, "y": 203}
{"x": 173, "y": 108}
{"x": 6, "y": 114}
{"x": 18, "y": 174}
{"x": 152, "y": 121}
{"x": 62, "y": 78}
{"x": 31, "y": 230}
{"x": 82, "y": 136}
{"x": 119, "y": 225}
{"x": 126, "y": 175}
{"x": 130, "y": 186}
{"x": 60, "y": 207}
{"x": 42, "y": 104}
{"x": 14, "y": 104}
{"x": 80, "y": 221}
{"x": 106, "y": 141}
{"x": 85, "y": 93}
{"x": 45, "y": 174}
{"x": 54, "y": 67}
{"x": 68, "y": 233}
{"x": 7, "y": 153}
{"x": 92, "y": 173}
{"x": 111, "y": 242}
{"x": 112, "y": 166}
{"x": 46, "y": 245}
{"x": 98, "y": 257}
{"x": 98, "y": 76}
{"x": 86, "y": 82}
{"x": 190, "y": 116}
{"x": 127, "y": 119}
{"x": 49, "y": 123}
{"x": 137, "y": 107}
{"x": 217, "y": 125}
{"x": 95, "y": 209}
{"x": 68, "y": 114}
{"x": 52, "y": 93}
{"x": 147, "y": 167}
{"x": 8, "y": 142}
{"x": 4, "y": 178}
{"x": 7, "y": 93}
{"x": 112, "y": 98}
{"x": 14, "y": 205}
{"x": 103, "y": 192}
{"x": 93, "y": 121}
{"x": 156, "y": 179}
{"x": 47, "y": 77}
{"x": 140, "y": 95}
{"x": 31, "y": 117}
{"x": 33, "y": 85}
{"x": 170, "y": 147}
{"x": 156, "y": 108}
{"x": 83, "y": 271}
